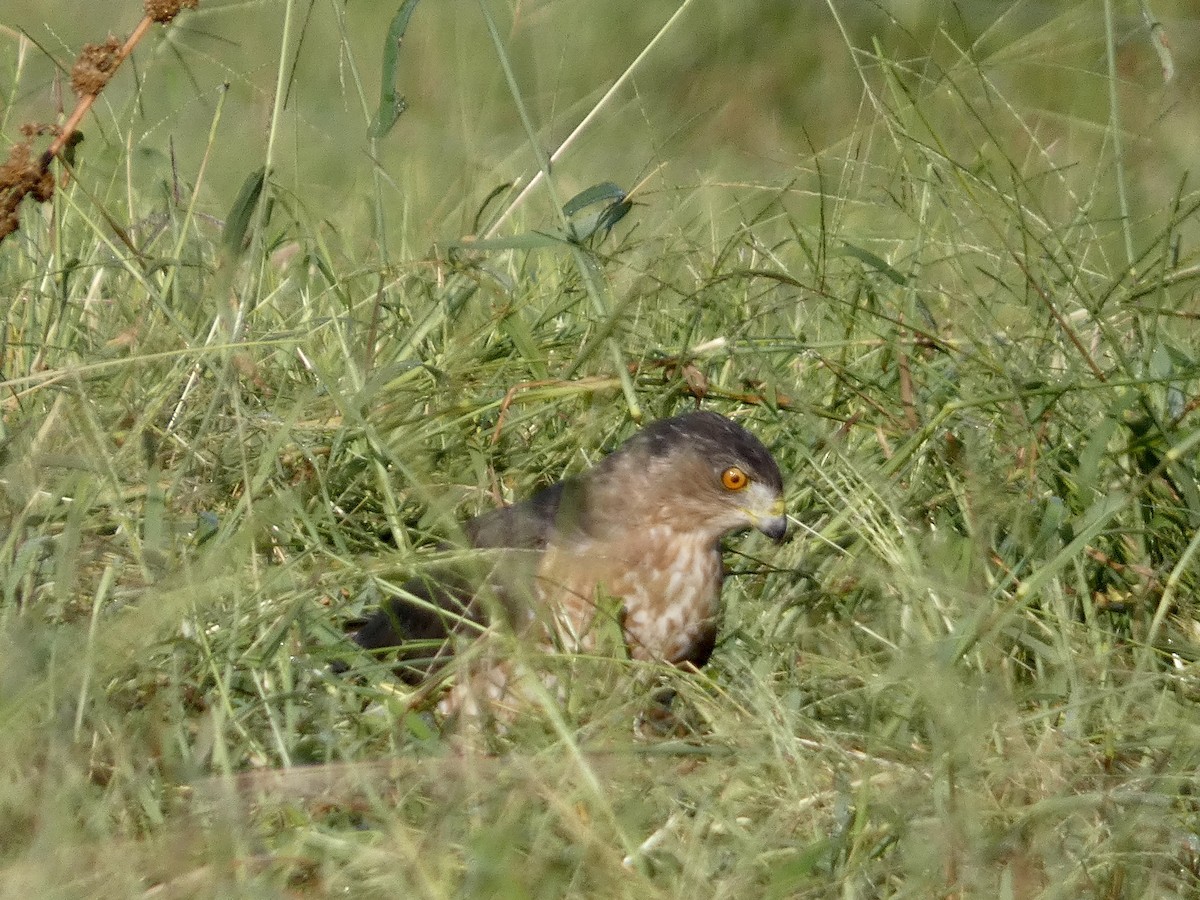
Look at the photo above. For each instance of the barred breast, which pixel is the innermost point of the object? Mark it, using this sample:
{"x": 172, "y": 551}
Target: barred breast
{"x": 668, "y": 584}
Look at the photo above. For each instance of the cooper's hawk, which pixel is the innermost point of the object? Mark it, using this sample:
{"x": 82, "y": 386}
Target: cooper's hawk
{"x": 643, "y": 527}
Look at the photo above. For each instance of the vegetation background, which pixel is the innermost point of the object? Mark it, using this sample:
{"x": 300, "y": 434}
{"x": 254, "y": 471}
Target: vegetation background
{"x": 940, "y": 256}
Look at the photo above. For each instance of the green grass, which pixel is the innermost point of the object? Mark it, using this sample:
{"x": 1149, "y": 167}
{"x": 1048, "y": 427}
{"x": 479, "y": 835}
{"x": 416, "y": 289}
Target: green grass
{"x": 944, "y": 266}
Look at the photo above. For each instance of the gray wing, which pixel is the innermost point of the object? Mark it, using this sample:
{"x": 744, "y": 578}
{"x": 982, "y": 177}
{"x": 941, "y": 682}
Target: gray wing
{"x": 523, "y": 526}
{"x": 455, "y": 600}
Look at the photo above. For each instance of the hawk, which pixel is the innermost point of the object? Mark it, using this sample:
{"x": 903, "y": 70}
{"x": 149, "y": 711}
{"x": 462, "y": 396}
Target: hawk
{"x": 642, "y": 529}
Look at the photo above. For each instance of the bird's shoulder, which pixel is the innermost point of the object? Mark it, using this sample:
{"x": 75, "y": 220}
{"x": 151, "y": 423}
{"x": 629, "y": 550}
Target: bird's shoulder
{"x": 532, "y": 523}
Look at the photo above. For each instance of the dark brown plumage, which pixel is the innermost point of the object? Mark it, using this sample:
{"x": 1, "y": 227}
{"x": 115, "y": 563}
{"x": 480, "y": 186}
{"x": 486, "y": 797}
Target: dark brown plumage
{"x": 644, "y": 527}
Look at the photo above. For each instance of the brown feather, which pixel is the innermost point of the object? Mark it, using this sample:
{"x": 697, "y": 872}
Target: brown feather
{"x": 644, "y": 526}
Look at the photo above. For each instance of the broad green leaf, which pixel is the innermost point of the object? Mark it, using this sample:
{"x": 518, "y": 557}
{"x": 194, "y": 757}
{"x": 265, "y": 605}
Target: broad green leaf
{"x": 533, "y": 240}
{"x": 391, "y": 104}
{"x": 582, "y": 229}
{"x": 597, "y": 193}
{"x": 1087, "y": 475}
{"x": 875, "y": 262}
{"x": 616, "y": 206}
{"x": 238, "y": 220}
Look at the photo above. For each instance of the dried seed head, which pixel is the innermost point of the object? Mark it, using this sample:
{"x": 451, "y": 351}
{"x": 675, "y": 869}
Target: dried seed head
{"x": 163, "y": 11}
{"x": 95, "y": 66}
{"x": 22, "y": 174}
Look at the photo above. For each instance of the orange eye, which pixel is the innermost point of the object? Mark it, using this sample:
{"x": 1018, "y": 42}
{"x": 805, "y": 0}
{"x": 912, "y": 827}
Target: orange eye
{"x": 734, "y": 478}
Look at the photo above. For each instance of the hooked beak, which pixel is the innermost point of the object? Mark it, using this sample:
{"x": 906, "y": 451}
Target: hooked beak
{"x": 774, "y": 525}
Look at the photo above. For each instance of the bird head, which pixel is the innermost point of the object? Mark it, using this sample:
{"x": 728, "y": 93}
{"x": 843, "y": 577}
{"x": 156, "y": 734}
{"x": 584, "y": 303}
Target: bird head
{"x": 700, "y": 472}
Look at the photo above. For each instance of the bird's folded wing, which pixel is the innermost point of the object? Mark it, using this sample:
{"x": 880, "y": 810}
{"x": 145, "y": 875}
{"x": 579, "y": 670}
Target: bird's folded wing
{"x": 456, "y": 599}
